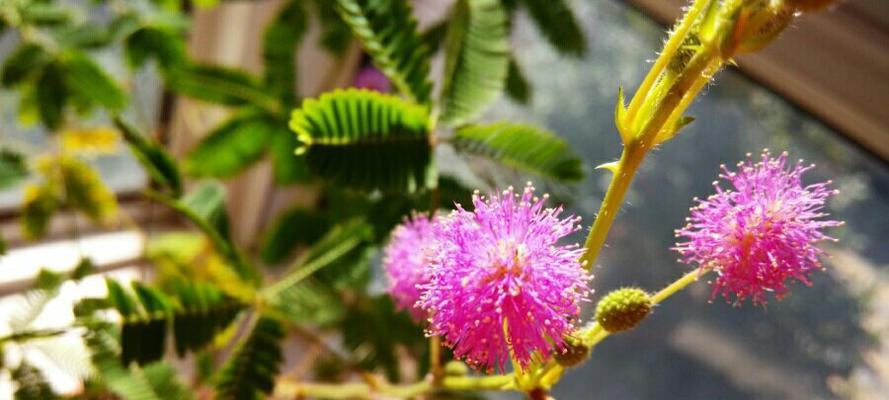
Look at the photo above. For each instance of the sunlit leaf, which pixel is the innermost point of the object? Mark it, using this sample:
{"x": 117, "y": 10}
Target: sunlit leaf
{"x": 221, "y": 85}
{"x": 477, "y": 60}
{"x": 86, "y": 79}
{"x": 367, "y": 140}
{"x": 520, "y": 146}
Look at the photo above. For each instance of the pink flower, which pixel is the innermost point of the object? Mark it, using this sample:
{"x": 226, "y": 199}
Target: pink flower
{"x": 406, "y": 262}
{"x": 500, "y": 283}
{"x": 761, "y": 233}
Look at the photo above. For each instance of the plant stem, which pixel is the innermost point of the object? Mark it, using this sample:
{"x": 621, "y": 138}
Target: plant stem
{"x": 365, "y": 391}
{"x": 595, "y": 334}
{"x": 435, "y": 360}
{"x": 673, "y": 44}
{"x": 680, "y": 93}
{"x": 623, "y": 174}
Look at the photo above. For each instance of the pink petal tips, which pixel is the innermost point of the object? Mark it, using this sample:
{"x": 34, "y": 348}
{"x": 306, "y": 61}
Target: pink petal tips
{"x": 406, "y": 264}
{"x": 760, "y": 233}
{"x": 501, "y": 286}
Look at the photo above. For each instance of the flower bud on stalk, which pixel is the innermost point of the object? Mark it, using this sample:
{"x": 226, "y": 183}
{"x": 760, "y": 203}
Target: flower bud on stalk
{"x": 574, "y": 353}
{"x": 623, "y": 309}
{"x": 761, "y": 24}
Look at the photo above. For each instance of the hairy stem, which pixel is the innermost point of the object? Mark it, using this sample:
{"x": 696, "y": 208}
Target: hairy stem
{"x": 670, "y": 48}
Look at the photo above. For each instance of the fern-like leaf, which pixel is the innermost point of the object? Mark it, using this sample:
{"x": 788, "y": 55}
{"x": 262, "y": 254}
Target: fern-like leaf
{"x": 366, "y": 139}
{"x": 155, "y": 381}
{"x": 477, "y": 59}
{"x": 118, "y": 378}
{"x": 196, "y": 314}
{"x": 523, "y": 147}
{"x": 250, "y": 372}
{"x": 388, "y": 32}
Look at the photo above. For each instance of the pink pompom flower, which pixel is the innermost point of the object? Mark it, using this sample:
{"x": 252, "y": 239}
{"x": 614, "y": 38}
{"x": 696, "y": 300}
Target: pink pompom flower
{"x": 501, "y": 285}
{"x": 761, "y": 233}
{"x": 406, "y": 263}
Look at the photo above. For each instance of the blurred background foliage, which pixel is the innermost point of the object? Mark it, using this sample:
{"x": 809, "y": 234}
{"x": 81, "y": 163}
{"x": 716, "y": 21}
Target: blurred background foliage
{"x": 72, "y": 72}
{"x": 89, "y": 85}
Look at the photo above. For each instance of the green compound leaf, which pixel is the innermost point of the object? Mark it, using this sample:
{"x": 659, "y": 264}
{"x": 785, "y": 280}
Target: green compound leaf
{"x": 477, "y": 60}
{"x": 232, "y": 147}
{"x": 366, "y": 140}
{"x": 250, "y": 372}
{"x": 153, "y": 382}
{"x": 13, "y": 168}
{"x": 146, "y": 43}
{"x": 221, "y": 85}
{"x": 195, "y": 312}
{"x": 160, "y": 165}
{"x": 87, "y": 80}
{"x": 388, "y": 32}
{"x": 524, "y": 147}
{"x": 51, "y": 95}
{"x": 22, "y": 64}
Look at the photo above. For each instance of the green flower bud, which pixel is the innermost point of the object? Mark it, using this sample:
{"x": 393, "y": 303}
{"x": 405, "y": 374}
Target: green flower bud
{"x": 456, "y": 368}
{"x": 574, "y": 353}
{"x": 623, "y": 309}
{"x": 762, "y": 24}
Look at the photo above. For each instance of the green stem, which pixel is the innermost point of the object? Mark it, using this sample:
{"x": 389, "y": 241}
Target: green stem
{"x": 435, "y": 360}
{"x": 221, "y": 243}
{"x": 674, "y": 43}
{"x": 623, "y": 175}
{"x": 595, "y": 334}
{"x": 365, "y": 391}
